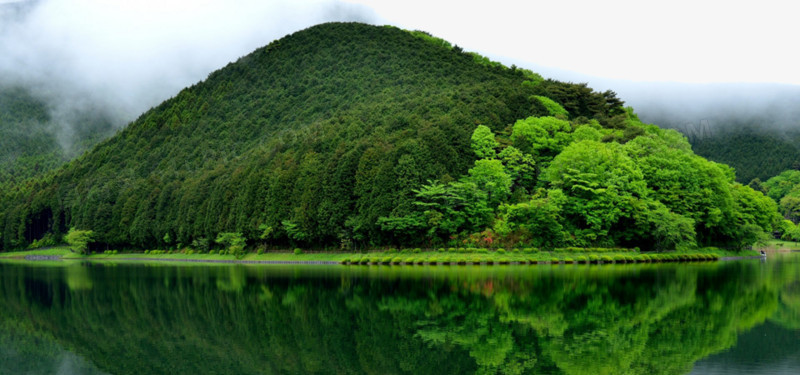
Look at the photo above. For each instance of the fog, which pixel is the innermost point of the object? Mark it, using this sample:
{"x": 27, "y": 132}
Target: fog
{"x": 119, "y": 58}
{"x": 116, "y": 59}
{"x": 701, "y": 107}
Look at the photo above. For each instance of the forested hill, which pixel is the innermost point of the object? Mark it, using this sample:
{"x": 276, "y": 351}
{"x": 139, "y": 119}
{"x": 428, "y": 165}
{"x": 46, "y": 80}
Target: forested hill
{"x": 754, "y": 152}
{"x": 343, "y": 133}
{"x": 33, "y": 142}
{"x": 755, "y": 146}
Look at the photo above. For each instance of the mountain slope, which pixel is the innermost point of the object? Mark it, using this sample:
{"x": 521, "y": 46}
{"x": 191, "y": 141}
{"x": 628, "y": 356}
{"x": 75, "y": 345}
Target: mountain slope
{"x": 329, "y": 135}
{"x": 32, "y": 142}
{"x": 755, "y": 146}
{"x": 753, "y": 152}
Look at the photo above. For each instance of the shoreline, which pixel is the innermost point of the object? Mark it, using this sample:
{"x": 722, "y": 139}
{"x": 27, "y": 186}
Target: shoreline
{"x": 337, "y": 263}
{"x": 398, "y": 258}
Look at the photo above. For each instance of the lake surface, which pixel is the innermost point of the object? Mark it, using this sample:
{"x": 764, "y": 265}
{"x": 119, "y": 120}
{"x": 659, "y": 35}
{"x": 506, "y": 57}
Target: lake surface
{"x": 740, "y": 317}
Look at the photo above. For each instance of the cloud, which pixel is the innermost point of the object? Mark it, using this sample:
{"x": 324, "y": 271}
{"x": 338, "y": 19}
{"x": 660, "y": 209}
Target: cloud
{"x": 122, "y": 57}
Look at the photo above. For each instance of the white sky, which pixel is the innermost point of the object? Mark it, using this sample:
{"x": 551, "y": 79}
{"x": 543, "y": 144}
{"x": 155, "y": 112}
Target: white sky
{"x": 678, "y": 40}
{"x": 130, "y": 55}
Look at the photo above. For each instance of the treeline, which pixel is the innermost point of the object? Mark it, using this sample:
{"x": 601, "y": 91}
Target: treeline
{"x": 332, "y": 136}
{"x": 784, "y": 189}
{"x": 550, "y": 183}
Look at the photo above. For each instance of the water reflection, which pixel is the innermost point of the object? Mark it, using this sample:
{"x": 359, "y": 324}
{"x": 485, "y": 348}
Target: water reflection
{"x": 648, "y": 319}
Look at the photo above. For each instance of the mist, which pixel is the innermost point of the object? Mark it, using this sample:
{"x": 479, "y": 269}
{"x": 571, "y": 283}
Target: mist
{"x": 116, "y": 59}
{"x": 706, "y": 109}
{"x": 699, "y": 108}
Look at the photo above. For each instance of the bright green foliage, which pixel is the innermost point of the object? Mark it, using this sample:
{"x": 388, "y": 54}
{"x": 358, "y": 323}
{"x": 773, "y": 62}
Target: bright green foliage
{"x": 781, "y": 185}
{"x": 553, "y": 108}
{"x": 664, "y": 229}
{"x": 724, "y": 212}
{"x": 790, "y": 205}
{"x": 78, "y": 240}
{"x": 538, "y": 221}
{"x": 603, "y": 186}
{"x": 442, "y": 210}
{"x": 294, "y": 231}
{"x": 439, "y": 42}
{"x": 490, "y": 176}
{"x": 785, "y": 189}
{"x": 234, "y": 242}
{"x": 544, "y": 137}
{"x": 519, "y": 166}
{"x": 483, "y": 142}
{"x": 586, "y": 133}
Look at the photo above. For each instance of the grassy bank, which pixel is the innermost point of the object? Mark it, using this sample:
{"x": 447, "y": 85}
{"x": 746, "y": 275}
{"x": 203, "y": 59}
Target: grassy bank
{"x": 781, "y": 246}
{"x": 406, "y": 257}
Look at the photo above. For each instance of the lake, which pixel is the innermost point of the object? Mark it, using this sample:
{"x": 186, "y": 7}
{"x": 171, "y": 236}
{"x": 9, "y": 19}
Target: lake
{"x": 737, "y": 317}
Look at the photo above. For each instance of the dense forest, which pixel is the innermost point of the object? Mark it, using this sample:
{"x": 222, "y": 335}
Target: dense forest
{"x": 349, "y": 135}
{"x": 754, "y": 152}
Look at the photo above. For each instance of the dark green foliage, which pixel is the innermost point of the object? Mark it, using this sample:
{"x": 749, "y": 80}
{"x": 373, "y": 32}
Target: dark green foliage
{"x": 33, "y": 143}
{"x": 753, "y": 151}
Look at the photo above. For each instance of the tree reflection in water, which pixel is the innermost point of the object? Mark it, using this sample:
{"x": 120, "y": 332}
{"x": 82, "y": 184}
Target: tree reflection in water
{"x": 649, "y": 319}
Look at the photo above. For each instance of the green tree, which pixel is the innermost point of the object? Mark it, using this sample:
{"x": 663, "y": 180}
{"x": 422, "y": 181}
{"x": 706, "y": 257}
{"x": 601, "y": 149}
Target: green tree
{"x": 519, "y": 166}
{"x": 603, "y": 188}
{"x": 483, "y": 142}
{"x": 233, "y": 241}
{"x": 554, "y": 108}
{"x": 779, "y": 186}
{"x": 491, "y": 177}
{"x": 544, "y": 137}
{"x": 538, "y": 220}
{"x": 78, "y": 240}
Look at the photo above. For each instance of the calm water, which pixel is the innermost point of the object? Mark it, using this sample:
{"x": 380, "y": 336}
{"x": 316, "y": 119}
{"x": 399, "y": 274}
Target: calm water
{"x": 738, "y": 317}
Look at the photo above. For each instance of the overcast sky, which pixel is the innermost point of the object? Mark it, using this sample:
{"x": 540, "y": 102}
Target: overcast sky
{"x": 677, "y": 40}
{"x": 134, "y": 54}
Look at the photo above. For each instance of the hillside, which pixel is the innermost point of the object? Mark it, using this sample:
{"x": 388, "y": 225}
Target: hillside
{"x": 349, "y": 134}
{"x": 32, "y": 142}
{"x": 755, "y": 147}
{"x": 754, "y": 153}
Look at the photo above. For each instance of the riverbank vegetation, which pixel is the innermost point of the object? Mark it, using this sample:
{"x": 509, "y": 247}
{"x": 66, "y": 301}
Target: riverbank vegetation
{"x": 353, "y": 137}
{"x": 452, "y": 256}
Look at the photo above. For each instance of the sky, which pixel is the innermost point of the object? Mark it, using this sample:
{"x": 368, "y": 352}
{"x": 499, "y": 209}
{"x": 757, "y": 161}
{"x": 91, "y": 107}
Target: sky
{"x": 679, "y": 40}
{"x": 131, "y": 55}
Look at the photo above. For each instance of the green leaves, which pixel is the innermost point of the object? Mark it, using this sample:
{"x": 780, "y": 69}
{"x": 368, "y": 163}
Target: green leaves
{"x": 78, "y": 240}
{"x": 490, "y": 176}
{"x": 483, "y": 142}
{"x": 554, "y": 108}
{"x": 541, "y": 136}
{"x": 234, "y": 242}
